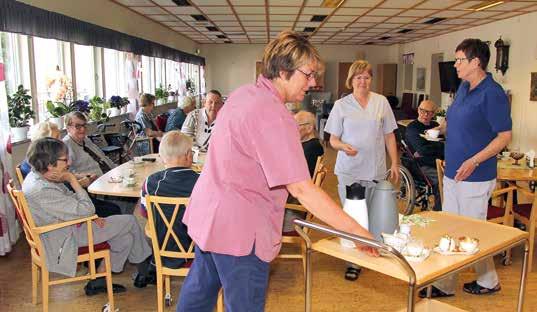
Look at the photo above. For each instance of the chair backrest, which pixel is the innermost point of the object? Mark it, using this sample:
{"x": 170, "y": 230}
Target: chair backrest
{"x": 440, "y": 170}
{"x": 18, "y": 173}
{"x": 318, "y": 165}
{"x": 154, "y": 206}
{"x": 412, "y": 164}
{"x": 25, "y": 218}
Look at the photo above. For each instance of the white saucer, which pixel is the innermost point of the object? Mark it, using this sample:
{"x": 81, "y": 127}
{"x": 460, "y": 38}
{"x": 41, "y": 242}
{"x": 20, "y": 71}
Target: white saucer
{"x": 428, "y": 138}
{"x": 455, "y": 253}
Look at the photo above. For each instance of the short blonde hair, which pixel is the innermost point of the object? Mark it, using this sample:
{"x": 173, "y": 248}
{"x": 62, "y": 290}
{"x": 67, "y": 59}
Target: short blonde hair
{"x": 357, "y": 68}
{"x": 147, "y": 99}
{"x": 187, "y": 101}
{"x": 174, "y": 144}
{"x": 287, "y": 52}
{"x": 43, "y": 129}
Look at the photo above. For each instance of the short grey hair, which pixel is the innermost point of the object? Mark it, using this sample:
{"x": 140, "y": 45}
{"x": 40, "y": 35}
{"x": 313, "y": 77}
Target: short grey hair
{"x": 43, "y": 129}
{"x": 174, "y": 144}
{"x": 69, "y": 117}
{"x": 187, "y": 101}
{"x": 45, "y": 152}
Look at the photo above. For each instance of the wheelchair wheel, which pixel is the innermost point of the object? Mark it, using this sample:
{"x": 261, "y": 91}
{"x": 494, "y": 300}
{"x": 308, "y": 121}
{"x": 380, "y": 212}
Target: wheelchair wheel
{"x": 406, "y": 191}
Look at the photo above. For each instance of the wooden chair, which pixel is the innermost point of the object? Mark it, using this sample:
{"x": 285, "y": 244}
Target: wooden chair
{"x": 527, "y": 215}
{"x": 292, "y": 238}
{"x": 18, "y": 172}
{"x": 440, "y": 172}
{"x": 154, "y": 206}
{"x": 39, "y": 265}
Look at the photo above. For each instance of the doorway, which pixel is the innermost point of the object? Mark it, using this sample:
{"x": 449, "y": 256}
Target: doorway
{"x": 435, "y": 94}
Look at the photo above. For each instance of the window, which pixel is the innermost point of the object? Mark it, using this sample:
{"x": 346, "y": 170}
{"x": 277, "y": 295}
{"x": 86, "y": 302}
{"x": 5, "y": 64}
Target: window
{"x": 85, "y": 72}
{"x": 160, "y": 73}
{"x": 114, "y": 73}
{"x": 52, "y": 72}
{"x": 14, "y": 51}
{"x": 172, "y": 75}
{"x": 148, "y": 68}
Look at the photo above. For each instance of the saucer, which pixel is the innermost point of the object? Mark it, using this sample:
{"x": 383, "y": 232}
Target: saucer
{"x": 455, "y": 253}
{"x": 428, "y": 138}
{"x": 115, "y": 179}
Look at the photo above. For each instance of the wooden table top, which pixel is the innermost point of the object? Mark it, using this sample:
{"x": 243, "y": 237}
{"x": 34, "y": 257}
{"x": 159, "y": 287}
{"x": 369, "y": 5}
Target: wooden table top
{"x": 515, "y": 174}
{"x": 492, "y": 239}
{"x": 103, "y": 186}
{"x": 405, "y": 122}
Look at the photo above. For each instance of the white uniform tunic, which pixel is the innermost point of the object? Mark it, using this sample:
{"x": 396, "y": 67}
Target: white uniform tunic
{"x": 364, "y": 129}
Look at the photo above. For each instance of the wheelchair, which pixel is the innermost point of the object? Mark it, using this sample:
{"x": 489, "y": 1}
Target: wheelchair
{"x": 414, "y": 188}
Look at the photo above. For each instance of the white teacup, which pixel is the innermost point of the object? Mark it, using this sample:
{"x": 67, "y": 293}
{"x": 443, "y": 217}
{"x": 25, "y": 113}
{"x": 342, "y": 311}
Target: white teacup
{"x": 433, "y": 133}
{"x": 468, "y": 245}
{"x": 129, "y": 182}
{"x": 414, "y": 248}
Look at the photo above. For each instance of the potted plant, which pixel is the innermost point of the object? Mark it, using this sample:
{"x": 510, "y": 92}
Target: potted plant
{"x": 440, "y": 116}
{"x": 116, "y": 103}
{"x": 57, "y": 110}
{"x": 98, "y": 110}
{"x": 161, "y": 94}
{"x": 20, "y": 112}
{"x": 80, "y": 106}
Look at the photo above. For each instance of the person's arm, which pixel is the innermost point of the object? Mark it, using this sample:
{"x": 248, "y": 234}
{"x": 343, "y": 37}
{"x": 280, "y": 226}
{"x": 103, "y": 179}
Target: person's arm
{"x": 153, "y": 133}
{"x": 391, "y": 146}
{"x": 491, "y": 150}
{"x": 314, "y": 199}
{"x": 189, "y": 126}
{"x": 339, "y": 145}
{"x": 442, "y": 127}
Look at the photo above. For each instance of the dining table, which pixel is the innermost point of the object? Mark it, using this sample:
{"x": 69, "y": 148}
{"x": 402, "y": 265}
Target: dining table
{"x": 493, "y": 239}
{"x": 116, "y": 181}
{"x": 508, "y": 171}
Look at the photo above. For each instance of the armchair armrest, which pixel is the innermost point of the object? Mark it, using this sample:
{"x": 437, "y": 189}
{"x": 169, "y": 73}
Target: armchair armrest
{"x": 295, "y": 207}
{"x": 51, "y": 227}
{"x": 503, "y": 191}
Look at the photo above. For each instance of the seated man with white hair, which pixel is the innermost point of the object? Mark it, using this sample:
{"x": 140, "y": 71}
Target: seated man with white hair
{"x": 178, "y": 116}
{"x": 200, "y": 122}
{"x": 176, "y": 180}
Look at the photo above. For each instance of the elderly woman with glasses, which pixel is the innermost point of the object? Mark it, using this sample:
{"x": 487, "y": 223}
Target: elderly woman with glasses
{"x": 361, "y": 127}
{"x": 50, "y": 201}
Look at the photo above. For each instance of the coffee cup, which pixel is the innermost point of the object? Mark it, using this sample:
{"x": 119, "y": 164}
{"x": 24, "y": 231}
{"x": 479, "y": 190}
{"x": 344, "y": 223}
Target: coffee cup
{"x": 433, "y": 133}
{"x": 129, "y": 182}
{"x": 505, "y": 155}
{"x": 414, "y": 248}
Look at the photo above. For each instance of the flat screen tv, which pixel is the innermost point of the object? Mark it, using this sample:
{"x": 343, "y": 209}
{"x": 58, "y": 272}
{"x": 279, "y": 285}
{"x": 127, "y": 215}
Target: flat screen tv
{"x": 449, "y": 81}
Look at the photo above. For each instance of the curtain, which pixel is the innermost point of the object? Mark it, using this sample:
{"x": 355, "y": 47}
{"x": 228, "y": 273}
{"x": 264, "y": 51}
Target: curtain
{"x": 9, "y": 229}
{"x": 21, "y": 18}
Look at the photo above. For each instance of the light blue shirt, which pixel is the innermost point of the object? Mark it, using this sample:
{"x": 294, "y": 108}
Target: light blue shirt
{"x": 364, "y": 129}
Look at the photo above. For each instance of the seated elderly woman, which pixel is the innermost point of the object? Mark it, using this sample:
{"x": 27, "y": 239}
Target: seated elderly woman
{"x": 176, "y": 180}
{"x": 200, "y": 122}
{"x": 50, "y": 201}
{"x": 146, "y": 119}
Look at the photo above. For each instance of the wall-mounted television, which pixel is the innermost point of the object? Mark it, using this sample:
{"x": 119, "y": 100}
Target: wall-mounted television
{"x": 449, "y": 81}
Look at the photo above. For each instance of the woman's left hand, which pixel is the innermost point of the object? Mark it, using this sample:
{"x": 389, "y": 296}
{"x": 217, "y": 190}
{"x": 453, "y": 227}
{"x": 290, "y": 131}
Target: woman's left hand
{"x": 465, "y": 170}
{"x": 100, "y": 222}
{"x": 394, "y": 173}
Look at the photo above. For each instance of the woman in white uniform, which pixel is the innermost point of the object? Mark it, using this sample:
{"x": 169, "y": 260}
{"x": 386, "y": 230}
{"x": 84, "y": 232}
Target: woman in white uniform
{"x": 361, "y": 125}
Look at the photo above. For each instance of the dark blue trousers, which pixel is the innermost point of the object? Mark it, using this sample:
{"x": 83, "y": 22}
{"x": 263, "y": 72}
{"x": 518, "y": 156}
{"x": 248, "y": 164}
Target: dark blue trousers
{"x": 243, "y": 279}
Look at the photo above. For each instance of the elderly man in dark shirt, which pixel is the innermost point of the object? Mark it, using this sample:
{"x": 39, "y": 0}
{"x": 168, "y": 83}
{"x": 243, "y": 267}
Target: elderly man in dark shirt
{"x": 425, "y": 151}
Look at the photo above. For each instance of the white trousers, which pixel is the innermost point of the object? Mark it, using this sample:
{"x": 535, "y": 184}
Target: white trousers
{"x": 469, "y": 199}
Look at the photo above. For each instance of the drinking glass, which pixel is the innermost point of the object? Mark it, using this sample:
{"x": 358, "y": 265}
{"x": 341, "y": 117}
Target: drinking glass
{"x": 516, "y": 155}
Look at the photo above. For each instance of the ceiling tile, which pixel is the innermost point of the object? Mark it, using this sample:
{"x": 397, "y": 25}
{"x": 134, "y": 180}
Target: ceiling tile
{"x": 351, "y": 11}
{"x": 449, "y": 13}
{"x": 228, "y": 23}
{"x": 530, "y": 9}
{"x": 345, "y": 18}
{"x": 401, "y": 19}
{"x": 508, "y": 15}
{"x": 372, "y": 19}
{"x": 483, "y": 21}
{"x": 255, "y": 28}
{"x": 135, "y": 2}
{"x": 455, "y": 21}
{"x": 272, "y": 27}
{"x": 359, "y": 24}
{"x": 286, "y": 2}
{"x": 182, "y": 10}
{"x": 481, "y": 14}
{"x": 149, "y": 10}
{"x": 165, "y": 2}
{"x": 417, "y": 13}
{"x": 283, "y": 10}
{"x": 253, "y": 23}
{"x": 389, "y": 25}
{"x": 399, "y": 3}
{"x": 231, "y": 29}
{"x": 163, "y": 18}
{"x": 288, "y": 24}
{"x": 250, "y": 10}
{"x": 510, "y": 6}
{"x": 361, "y": 3}
{"x": 335, "y": 24}
{"x": 209, "y": 2}
{"x": 437, "y": 4}
{"x": 247, "y": 2}
{"x": 216, "y": 10}
{"x": 228, "y": 17}
{"x": 466, "y": 4}
{"x": 170, "y": 24}
{"x": 384, "y": 12}
{"x": 251, "y": 17}
{"x": 317, "y": 11}
{"x": 280, "y": 17}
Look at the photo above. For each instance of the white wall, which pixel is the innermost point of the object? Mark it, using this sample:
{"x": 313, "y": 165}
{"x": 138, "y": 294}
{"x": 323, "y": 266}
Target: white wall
{"x": 108, "y": 14}
{"x": 516, "y": 31}
{"x": 232, "y": 65}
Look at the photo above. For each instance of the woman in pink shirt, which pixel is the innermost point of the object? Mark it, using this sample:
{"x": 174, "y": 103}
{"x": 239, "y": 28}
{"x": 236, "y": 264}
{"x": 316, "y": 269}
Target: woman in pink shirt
{"x": 254, "y": 161}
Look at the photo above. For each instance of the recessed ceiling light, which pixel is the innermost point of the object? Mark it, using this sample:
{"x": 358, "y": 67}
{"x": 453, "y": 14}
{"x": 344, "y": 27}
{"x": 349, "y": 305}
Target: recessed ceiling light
{"x": 384, "y": 38}
{"x": 309, "y": 29}
{"x": 318, "y": 18}
{"x": 221, "y": 36}
{"x": 405, "y": 30}
{"x": 212, "y": 28}
{"x": 181, "y": 3}
{"x": 198, "y": 17}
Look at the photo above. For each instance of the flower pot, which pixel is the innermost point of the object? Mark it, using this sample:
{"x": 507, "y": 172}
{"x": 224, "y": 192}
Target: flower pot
{"x": 19, "y": 133}
{"x": 58, "y": 121}
{"x": 440, "y": 119}
{"x": 113, "y": 111}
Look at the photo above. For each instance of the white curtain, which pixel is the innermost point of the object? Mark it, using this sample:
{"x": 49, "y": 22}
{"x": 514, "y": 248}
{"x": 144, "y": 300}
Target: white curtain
{"x": 9, "y": 228}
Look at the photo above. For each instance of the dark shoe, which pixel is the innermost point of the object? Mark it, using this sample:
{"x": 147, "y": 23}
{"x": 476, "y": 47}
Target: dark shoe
{"x": 435, "y": 293}
{"x": 475, "y": 289}
{"x": 352, "y": 273}
{"x": 141, "y": 281}
{"x": 98, "y": 286}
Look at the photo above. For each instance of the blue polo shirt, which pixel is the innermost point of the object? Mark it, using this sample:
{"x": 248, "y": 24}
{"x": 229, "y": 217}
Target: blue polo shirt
{"x": 473, "y": 120}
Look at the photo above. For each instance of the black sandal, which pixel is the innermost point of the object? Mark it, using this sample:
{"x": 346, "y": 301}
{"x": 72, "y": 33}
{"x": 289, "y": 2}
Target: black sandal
{"x": 475, "y": 289}
{"x": 352, "y": 273}
{"x": 435, "y": 293}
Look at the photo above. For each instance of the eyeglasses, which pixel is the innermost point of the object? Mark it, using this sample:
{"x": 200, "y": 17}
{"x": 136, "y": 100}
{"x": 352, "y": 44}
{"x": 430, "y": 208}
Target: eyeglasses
{"x": 79, "y": 126}
{"x": 63, "y": 159}
{"x": 308, "y": 76}
{"x": 459, "y": 60}
{"x": 424, "y": 111}
{"x": 303, "y": 124}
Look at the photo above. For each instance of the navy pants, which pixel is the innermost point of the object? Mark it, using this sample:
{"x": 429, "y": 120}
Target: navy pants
{"x": 243, "y": 279}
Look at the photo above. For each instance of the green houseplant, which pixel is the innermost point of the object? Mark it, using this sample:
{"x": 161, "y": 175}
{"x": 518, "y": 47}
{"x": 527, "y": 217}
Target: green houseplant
{"x": 161, "y": 94}
{"x": 98, "y": 110}
{"x": 56, "y": 111}
{"x": 440, "y": 115}
{"x": 20, "y": 112}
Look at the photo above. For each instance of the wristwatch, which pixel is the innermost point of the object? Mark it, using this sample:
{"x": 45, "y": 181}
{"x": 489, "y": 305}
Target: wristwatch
{"x": 475, "y": 162}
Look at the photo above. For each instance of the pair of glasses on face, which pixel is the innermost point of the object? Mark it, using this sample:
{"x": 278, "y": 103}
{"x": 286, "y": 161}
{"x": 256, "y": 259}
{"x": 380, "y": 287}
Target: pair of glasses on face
{"x": 458, "y": 60}
{"x": 79, "y": 126}
{"x": 424, "y": 111}
{"x": 308, "y": 76}
{"x": 62, "y": 159}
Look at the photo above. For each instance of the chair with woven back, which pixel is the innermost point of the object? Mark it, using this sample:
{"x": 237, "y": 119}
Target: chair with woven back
{"x": 85, "y": 254}
{"x": 526, "y": 214}
{"x": 292, "y": 238}
{"x": 161, "y": 249}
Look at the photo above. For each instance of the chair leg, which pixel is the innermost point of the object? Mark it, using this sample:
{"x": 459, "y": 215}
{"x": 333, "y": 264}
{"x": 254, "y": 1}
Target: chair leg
{"x": 160, "y": 297}
{"x": 109, "y": 286}
{"x": 35, "y": 277}
{"x": 167, "y": 286}
{"x": 220, "y": 301}
{"x": 44, "y": 289}
{"x": 303, "y": 251}
{"x": 532, "y": 247}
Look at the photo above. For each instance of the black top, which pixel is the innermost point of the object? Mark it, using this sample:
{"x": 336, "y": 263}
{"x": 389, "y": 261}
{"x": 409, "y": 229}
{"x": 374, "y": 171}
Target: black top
{"x": 171, "y": 182}
{"x": 312, "y": 150}
{"x": 429, "y": 151}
